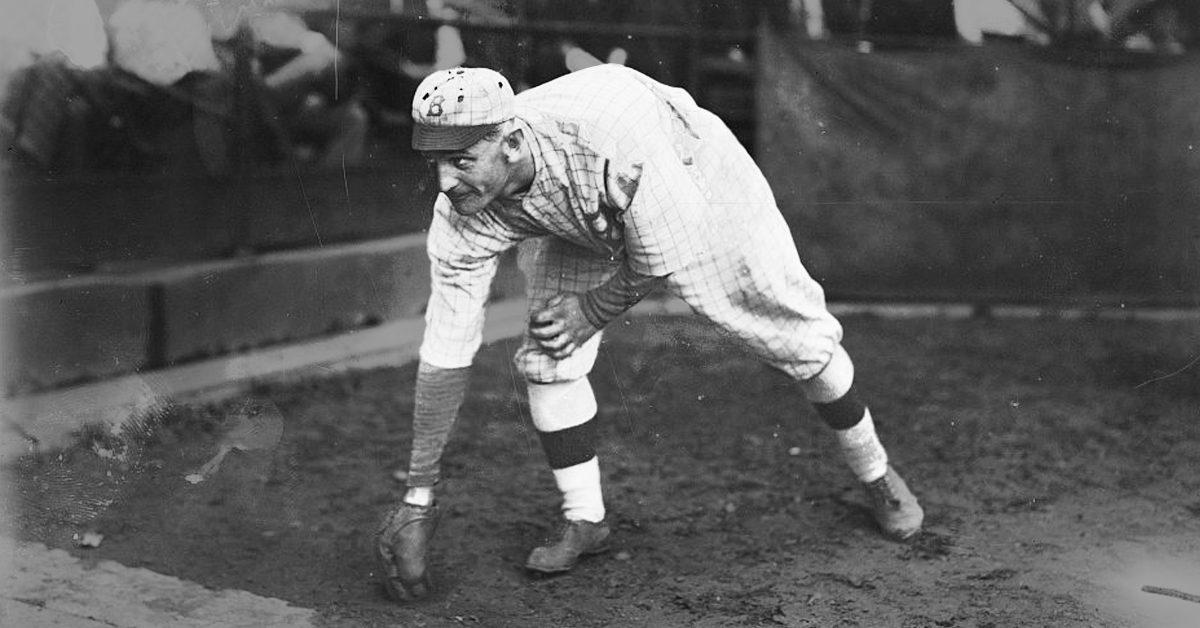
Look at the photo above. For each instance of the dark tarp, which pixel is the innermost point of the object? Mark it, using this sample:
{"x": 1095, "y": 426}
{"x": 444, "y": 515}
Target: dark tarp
{"x": 1003, "y": 171}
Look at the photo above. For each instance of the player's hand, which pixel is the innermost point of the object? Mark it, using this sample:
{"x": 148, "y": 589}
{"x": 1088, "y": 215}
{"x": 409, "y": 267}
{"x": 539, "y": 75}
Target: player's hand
{"x": 560, "y": 327}
{"x": 402, "y": 548}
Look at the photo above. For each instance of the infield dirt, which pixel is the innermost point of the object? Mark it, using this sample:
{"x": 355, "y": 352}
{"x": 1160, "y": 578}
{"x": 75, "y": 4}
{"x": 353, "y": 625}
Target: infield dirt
{"x": 1058, "y": 463}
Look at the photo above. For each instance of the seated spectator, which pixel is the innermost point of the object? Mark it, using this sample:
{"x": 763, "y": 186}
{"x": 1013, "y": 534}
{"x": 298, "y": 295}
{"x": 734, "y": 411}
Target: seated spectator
{"x": 160, "y": 42}
{"x": 41, "y": 45}
{"x": 32, "y": 29}
{"x": 448, "y": 49}
{"x": 160, "y": 106}
{"x": 308, "y": 85}
{"x": 977, "y": 19}
{"x": 168, "y": 103}
{"x": 180, "y": 107}
{"x": 395, "y": 56}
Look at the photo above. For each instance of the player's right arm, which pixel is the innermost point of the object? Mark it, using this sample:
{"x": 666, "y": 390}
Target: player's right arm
{"x": 463, "y": 256}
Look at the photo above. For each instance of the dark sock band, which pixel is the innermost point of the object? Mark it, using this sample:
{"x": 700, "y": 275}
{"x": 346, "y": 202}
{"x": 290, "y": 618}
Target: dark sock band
{"x": 843, "y": 413}
{"x": 571, "y": 446}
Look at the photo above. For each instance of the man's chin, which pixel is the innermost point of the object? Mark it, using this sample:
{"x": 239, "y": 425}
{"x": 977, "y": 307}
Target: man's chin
{"x": 468, "y": 206}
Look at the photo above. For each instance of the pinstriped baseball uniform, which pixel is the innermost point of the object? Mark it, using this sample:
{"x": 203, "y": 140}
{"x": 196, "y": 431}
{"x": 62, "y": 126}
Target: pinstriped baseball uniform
{"x": 630, "y": 171}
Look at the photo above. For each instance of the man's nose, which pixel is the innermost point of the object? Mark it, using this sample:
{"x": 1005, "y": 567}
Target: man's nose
{"x": 445, "y": 176}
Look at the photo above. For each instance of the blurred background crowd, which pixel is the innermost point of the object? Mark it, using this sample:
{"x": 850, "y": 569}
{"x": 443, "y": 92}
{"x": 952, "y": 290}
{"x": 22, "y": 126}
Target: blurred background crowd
{"x": 219, "y": 86}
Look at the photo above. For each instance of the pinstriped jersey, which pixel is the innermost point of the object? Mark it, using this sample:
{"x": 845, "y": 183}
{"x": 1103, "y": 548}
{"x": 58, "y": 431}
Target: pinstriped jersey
{"x": 621, "y": 171}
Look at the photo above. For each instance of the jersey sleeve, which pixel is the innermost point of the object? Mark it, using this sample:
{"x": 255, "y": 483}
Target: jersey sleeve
{"x": 463, "y": 257}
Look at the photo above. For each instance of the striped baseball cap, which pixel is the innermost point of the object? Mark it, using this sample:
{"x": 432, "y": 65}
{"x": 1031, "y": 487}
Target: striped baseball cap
{"x": 455, "y": 108}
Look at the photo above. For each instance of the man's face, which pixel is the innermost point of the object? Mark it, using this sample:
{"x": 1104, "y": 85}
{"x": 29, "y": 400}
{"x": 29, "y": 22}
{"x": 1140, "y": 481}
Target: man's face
{"x": 472, "y": 177}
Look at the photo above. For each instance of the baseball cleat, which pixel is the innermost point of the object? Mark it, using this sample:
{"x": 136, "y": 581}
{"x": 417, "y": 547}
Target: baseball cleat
{"x": 575, "y": 539}
{"x": 402, "y": 546}
{"x": 895, "y": 507}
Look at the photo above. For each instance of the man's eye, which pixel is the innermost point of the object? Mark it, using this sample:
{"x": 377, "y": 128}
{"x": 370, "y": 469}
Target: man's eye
{"x": 458, "y": 163}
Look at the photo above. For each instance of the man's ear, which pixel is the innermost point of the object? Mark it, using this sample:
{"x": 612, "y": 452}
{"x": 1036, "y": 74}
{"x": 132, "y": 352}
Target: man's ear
{"x": 513, "y": 141}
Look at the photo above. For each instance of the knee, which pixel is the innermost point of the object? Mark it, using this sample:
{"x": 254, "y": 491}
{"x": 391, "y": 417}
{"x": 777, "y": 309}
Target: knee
{"x": 833, "y": 381}
{"x": 561, "y": 405}
{"x": 536, "y": 366}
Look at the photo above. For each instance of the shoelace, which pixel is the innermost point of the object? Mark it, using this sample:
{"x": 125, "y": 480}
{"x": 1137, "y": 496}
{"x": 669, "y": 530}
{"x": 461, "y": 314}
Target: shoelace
{"x": 881, "y": 492}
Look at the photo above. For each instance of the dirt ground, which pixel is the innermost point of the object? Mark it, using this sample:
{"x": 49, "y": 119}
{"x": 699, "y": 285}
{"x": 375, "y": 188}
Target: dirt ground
{"x": 1057, "y": 462}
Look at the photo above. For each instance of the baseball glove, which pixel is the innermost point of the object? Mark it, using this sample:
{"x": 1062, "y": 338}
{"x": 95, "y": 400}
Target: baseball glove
{"x": 402, "y": 545}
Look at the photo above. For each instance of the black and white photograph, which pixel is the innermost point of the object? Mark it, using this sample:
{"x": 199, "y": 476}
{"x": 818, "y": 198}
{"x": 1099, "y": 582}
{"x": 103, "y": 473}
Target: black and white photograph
{"x": 600, "y": 313}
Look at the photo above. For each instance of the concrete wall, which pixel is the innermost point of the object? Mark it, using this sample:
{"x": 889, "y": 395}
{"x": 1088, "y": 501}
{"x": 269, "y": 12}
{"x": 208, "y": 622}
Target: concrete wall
{"x": 63, "y": 225}
{"x": 70, "y": 331}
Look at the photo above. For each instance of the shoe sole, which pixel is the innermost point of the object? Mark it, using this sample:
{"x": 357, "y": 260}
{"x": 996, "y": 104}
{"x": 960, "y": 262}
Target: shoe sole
{"x": 901, "y": 537}
{"x": 553, "y": 570}
{"x": 399, "y": 591}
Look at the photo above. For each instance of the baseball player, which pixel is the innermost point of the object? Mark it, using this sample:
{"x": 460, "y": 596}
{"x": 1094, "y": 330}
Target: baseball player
{"x": 612, "y": 185}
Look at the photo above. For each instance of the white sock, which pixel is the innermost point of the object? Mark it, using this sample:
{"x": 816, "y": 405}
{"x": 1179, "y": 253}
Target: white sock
{"x": 580, "y": 487}
{"x": 419, "y": 496}
{"x": 862, "y": 449}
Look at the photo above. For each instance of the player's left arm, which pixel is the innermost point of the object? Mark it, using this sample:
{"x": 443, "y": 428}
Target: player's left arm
{"x": 637, "y": 187}
{"x": 569, "y": 320}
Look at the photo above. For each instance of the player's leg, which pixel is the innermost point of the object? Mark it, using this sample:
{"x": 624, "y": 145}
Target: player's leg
{"x": 763, "y": 294}
{"x": 563, "y": 406}
{"x": 753, "y": 284}
{"x": 833, "y": 394}
{"x": 564, "y": 414}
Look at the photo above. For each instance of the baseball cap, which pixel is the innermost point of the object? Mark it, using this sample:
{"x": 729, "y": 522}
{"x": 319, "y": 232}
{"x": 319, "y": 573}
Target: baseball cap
{"x": 455, "y": 108}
